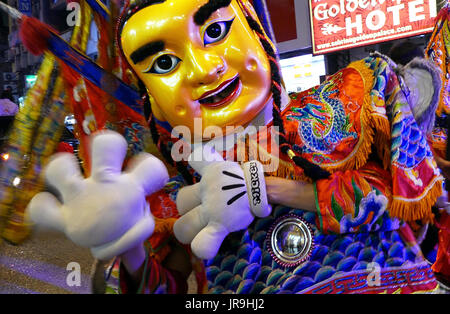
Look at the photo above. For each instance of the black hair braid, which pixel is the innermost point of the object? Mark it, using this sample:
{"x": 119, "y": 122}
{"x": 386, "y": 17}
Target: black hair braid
{"x": 165, "y": 151}
{"x": 311, "y": 170}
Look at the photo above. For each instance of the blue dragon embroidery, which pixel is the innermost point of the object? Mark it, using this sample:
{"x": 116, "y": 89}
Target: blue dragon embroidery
{"x": 322, "y": 126}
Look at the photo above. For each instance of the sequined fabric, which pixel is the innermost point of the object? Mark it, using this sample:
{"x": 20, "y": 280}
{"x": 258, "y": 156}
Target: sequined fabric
{"x": 247, "y": 267}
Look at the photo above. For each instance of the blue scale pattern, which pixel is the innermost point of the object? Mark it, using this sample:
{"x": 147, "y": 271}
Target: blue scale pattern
{"x": 245, "y": 266}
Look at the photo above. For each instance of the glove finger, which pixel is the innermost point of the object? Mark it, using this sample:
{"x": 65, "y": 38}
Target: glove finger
{"x": 189, "y": 225}
{"x": 149, "y": 171}
{"x": 108, "y": 152}
{"x": 203, "y": 156}
{"x": 188, "y": 197}
{"x": 63, "y": 173}
{"x": 140, "y": 232}
{"x": 45, "y": 210}
{"x": 208, "y": 241}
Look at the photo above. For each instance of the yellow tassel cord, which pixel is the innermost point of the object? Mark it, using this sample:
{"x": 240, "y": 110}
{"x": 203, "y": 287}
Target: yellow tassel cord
{"x": 20, "y": 139}
{"x": 79, "y": 41}
{"x": 376, "y": 127}
{"x": 35, "y": 134}
{"x": 44, "y": 145}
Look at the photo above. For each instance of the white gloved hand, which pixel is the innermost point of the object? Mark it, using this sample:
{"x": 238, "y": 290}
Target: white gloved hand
{"x": 226, "y": 199}
{"x": 106, "y": 212}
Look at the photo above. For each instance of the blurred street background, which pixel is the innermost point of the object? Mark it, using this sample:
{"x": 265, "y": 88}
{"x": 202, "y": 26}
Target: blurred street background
{"x": 39, "y": 265}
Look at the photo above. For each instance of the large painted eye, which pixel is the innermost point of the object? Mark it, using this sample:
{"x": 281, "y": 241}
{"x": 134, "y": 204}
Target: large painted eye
{"x": 164, "y": 64}
{"x": 216, "y": 32}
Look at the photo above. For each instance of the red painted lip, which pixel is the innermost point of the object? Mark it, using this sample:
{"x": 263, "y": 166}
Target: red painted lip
{"x": 220, "y": 88}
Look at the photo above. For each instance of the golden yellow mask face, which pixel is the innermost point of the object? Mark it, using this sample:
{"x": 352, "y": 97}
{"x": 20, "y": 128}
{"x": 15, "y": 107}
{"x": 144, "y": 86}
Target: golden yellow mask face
{"x": 216, "y": 71}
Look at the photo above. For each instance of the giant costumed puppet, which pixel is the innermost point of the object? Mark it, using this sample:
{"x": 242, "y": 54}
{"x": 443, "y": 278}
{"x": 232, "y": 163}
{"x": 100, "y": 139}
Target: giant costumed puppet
{"x": 302, "y": 194}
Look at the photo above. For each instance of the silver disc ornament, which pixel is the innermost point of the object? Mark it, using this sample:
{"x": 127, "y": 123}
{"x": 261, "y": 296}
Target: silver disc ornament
{"x": 290, "y": 240}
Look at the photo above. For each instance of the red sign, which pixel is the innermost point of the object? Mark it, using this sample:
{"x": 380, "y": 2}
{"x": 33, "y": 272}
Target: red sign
{"x": 282, "y": 16}
{"x": 344, "y": 24}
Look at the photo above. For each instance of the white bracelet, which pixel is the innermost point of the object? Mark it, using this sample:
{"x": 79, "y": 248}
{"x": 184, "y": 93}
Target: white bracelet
{"x": 256, "y": 188}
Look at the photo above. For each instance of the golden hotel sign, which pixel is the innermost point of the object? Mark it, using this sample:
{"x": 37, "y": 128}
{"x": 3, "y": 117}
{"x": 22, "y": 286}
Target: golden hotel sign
{"x": 344, "y": 24}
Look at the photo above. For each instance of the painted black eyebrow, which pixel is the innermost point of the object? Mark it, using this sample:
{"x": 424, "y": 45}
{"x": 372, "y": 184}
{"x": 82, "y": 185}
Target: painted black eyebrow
{"x": 146, "y": 51}
{"x": 206, "y": 10}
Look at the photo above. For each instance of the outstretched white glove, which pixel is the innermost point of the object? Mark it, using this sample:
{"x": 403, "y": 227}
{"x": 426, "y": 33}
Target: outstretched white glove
{"x": 226, "y": 199}
{"x": 106, "y": 212}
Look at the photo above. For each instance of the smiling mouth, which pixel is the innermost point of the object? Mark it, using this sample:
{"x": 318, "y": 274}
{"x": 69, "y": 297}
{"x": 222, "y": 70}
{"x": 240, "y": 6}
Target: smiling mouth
{"x": 222, "y": 94}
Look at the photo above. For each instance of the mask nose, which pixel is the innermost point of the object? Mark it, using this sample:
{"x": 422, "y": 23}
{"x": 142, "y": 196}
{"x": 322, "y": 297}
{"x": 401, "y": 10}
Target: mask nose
{"x": 205, "y": 68}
